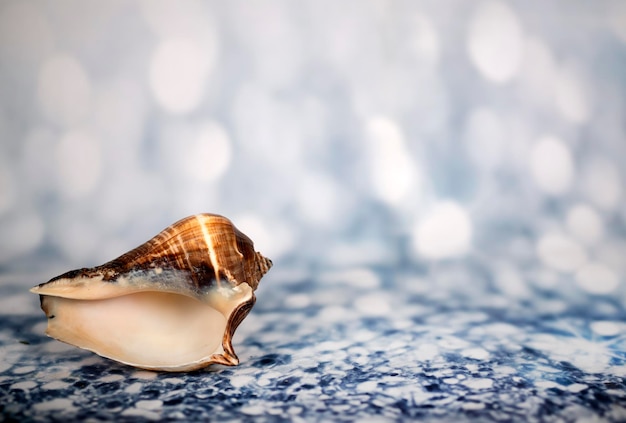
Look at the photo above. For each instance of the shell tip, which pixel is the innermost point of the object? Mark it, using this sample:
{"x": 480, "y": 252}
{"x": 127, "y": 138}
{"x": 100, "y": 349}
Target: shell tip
{"x": 264, "y": 263}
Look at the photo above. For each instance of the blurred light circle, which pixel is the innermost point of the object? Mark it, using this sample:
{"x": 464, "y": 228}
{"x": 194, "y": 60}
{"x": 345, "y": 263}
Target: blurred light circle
{"x": 272, "y": 238}
{"x": 596, "y": 278}
{"x": 77, "y": 238}
{"x": 424, "y": 40}
{"x": 495, "y": 41}
{"x": 539, "y": 72}
{"x": 207, "y": 156}
{"x": 64, "y": 90}
{"x": 612, "y": 252}
{"x": 21, "y": 234}
{"x": 445, "y": 232}
{"x": 552, "y": 165}
{"x": 378, "y": 304}
{"x": 570, "y": 96}
{"x": 119, "y": 114}
{"x": 37, "y": 167}
{"x": 510, "y": 282}
{"x": 585, "y": 223}
{"x": 484, "y": 136}
{"x": 79, "y": 162}
{"x": 318, "y": 199}
{"x": 392, "y": 169}
{"x": 168, "y": 18}
{"x": 561, "y": 252}
{"x": 601, "y": 182}
{"x": 178, "y": 74}
{"x": 607, "y": 328}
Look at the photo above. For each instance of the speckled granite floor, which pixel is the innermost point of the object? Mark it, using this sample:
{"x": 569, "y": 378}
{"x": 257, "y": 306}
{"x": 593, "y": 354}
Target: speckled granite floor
{"x": 440, "y": 344}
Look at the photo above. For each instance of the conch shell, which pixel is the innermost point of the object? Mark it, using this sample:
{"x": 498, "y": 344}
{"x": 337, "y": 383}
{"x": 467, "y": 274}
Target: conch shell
{"x": 170, "y": 304}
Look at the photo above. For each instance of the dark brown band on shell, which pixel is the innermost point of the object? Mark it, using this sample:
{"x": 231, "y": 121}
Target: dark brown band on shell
{"x": 190, "y": 245}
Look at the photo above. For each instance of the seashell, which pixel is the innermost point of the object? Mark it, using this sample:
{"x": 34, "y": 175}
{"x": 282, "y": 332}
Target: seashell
{"x": 170, "y": 304}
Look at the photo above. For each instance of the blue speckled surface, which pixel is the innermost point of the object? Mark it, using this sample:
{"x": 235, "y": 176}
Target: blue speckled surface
{"x": 439, "y": 343}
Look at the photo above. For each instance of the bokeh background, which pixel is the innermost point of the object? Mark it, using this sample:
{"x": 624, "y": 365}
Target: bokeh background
{"x": 334, "y": 133}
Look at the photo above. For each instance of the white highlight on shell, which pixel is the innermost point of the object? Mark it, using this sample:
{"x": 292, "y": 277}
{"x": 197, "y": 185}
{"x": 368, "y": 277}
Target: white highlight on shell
{"x": 597, "y": 278}
{"x": 78, "y": 158}
{"x": 585, "y": 223}
{"x": 393, "y": 172}
{"x": 561, "y": 252}
{"x": 208, "y": 155}
{"x": 601, "y": 183}
{"x": 552, "y": 165}
{"x": 445, "y": 232}
{"x": 571, "y": 96}
{"x": 178, "y": 74}
{"x": 64, "y": 90}
{"x": 607, "y": 327}
{"x": 495, "y": 41}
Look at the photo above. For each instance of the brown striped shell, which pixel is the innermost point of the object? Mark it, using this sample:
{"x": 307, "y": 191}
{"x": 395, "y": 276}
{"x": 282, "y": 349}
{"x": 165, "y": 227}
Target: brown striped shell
{"x": 173, "y": 303}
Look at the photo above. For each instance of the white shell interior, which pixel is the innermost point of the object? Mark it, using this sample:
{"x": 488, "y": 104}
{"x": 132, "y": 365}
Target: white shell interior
{"x": 152, "y": 330}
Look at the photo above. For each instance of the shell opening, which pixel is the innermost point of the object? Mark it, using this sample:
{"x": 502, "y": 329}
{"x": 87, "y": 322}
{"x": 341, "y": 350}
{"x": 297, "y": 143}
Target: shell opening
{"x": 152, "y": 330}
